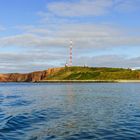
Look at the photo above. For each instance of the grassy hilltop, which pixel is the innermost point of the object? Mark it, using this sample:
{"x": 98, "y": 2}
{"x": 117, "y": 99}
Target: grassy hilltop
{"x": 91, "y": 73}
{"x": 74, "y": 74}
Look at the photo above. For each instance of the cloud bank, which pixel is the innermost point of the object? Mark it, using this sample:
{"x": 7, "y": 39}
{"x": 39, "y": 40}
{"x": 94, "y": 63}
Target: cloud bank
{"x": 46, "y": 43}
{"x": 91, "y": 7}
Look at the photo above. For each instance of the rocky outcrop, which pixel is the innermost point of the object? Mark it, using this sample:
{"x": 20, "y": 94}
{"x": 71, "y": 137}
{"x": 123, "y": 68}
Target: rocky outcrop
{"x": 28, "y": 77}
{"x": 53, "y": 70}
{"x": 4, "y": 77}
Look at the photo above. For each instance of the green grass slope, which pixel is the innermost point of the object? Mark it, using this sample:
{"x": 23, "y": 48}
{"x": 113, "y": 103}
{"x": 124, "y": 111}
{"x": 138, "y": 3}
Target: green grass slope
{"x": 91, "y": 73}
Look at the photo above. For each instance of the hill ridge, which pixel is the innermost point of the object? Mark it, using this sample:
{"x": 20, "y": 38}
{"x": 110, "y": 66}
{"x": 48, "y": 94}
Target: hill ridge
{"x": 73, "y": 73}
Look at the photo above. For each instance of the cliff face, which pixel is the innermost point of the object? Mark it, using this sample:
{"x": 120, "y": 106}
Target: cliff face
{"x": 15, "y": 77}
{"x": 29, "y": 77}
{"x": 3, "y": 78}
{"x": 73, "y": 73}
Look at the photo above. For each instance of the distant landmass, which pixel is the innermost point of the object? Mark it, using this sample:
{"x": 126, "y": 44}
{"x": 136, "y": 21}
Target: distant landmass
{"x": 74, "y": 74}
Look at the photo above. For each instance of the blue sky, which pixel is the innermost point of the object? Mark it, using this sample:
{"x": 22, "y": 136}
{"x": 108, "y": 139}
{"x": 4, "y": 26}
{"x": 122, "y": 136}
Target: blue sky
{"x": 35, "y": 34}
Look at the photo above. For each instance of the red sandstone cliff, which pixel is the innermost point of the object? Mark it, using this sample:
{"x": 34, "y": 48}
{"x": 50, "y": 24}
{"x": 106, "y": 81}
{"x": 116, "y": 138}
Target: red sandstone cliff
{"x": 28, "y": 77}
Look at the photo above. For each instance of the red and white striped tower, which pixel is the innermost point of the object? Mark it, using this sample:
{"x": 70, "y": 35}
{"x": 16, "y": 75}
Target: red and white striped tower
{"x": 70, "y": 57}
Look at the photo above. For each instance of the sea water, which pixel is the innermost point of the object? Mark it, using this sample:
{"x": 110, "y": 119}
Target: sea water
{"x": 74, "y": 111}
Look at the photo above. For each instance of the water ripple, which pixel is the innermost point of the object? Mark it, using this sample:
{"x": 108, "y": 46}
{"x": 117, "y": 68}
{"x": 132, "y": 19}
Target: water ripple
{"x": 18, "y": 103}
{"x": 69, "y": 111}
{"x": 25, "y": 122}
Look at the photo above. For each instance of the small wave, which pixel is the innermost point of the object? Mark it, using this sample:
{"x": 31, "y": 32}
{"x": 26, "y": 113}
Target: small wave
{"x": 18, "y": 103}
{"x": 82, "y": 136}
{"x": 1, "y": 98}
{"x": 12, "y": 96}
{"x": 27, "y": 122}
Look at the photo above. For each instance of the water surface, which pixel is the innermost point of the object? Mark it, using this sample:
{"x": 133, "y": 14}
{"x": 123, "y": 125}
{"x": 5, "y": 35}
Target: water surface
{"x": 75, "y": 111}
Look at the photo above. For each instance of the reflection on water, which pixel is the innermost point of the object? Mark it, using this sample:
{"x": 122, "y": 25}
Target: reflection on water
{"x": 69, "y": 111}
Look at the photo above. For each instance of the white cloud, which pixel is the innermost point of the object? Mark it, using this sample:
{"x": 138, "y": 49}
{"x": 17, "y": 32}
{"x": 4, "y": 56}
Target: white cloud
{"x": 32, "y": 29}
{"x": 110, "y": 61}
{"x": 48, "y": 43}
{"x": 86, "y": 36}
{"x": 83, "y": 35}
{"x": 30, "y": 40}
{"x": 81, "y": 8}
{"x": 25, "y": 62}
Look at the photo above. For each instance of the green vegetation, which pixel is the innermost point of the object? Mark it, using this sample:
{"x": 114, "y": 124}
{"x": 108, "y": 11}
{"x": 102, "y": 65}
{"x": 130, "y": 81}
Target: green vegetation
{"x": 90, "y": 73}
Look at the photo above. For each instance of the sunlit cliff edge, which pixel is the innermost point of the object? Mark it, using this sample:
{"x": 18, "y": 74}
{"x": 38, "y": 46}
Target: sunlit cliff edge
{"x": 74, "y": 73}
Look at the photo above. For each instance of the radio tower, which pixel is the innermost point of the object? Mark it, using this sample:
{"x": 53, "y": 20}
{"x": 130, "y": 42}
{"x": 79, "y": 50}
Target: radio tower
{"x": 70, "y": 57}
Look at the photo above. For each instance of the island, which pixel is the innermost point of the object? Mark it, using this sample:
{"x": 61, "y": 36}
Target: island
{"x": 75, "y": 74}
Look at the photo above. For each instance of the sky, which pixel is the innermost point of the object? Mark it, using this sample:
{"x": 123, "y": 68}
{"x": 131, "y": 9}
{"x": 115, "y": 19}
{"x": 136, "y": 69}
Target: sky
{"x": 35, "y": 34}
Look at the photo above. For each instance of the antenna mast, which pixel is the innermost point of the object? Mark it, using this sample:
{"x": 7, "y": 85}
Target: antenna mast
{"x": 70, "y": 57}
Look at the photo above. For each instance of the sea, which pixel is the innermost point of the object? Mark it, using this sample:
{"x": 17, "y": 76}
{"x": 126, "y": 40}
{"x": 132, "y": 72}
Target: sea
{"x": 69, "y": 111}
